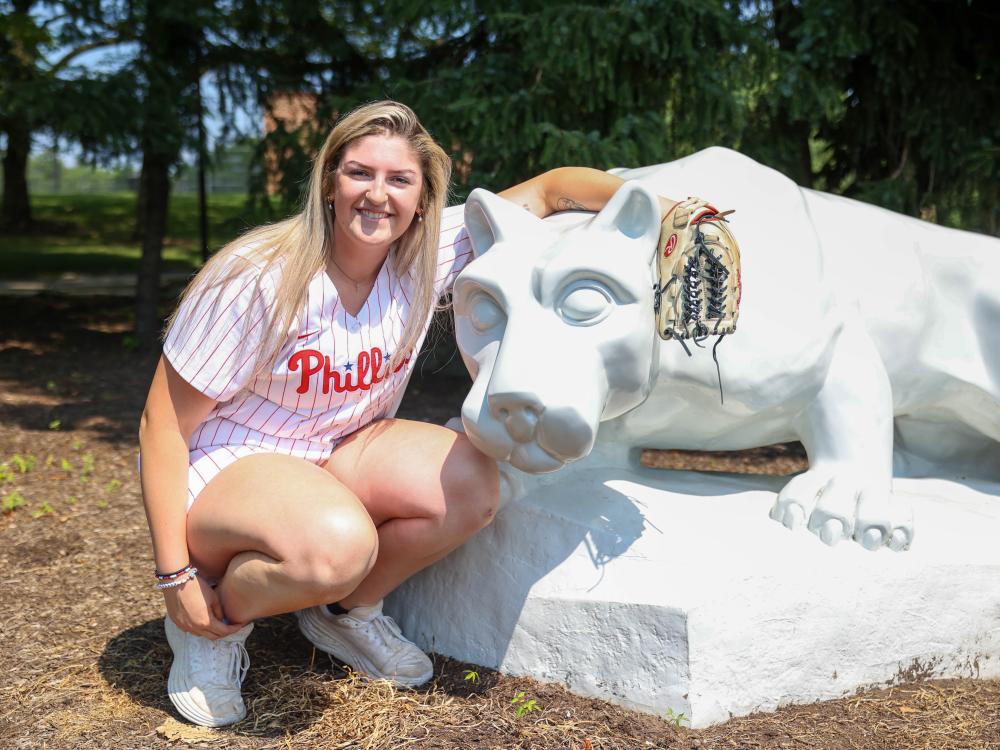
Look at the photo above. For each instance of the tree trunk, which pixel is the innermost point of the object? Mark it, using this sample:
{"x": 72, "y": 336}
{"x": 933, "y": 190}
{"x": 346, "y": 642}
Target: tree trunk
{"x": 202, "y": 193}
{"x": 166, "y": 66}
{"x": 155, "y": 194}
{"x": 140, "y": 207}
{"x": 16, "y": 206}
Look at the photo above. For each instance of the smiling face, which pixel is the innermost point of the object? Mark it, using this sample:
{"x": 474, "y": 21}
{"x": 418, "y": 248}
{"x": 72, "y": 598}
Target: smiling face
{"x": 376, "y": 191}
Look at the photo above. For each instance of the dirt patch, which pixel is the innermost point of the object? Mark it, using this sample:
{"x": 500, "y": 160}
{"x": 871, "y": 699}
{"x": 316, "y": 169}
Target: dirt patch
{"x": 774, "y": 460}
{"x": 39, "y": 551}
{"x": 84, "y": 663}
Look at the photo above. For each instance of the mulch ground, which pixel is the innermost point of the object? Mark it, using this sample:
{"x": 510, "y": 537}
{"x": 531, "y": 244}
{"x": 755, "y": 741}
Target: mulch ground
{"x": 83, "y": 662}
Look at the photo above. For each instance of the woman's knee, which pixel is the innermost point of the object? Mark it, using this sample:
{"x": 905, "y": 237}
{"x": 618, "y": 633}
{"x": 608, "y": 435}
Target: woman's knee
{"x": 336, "y": 553}
{"x": 471, "y": 481}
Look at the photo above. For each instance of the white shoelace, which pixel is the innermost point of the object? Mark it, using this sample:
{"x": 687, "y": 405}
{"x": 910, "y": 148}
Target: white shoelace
{"x": 383, "y": 631}
{"x": 239, "y": 663}
{"x": 224, "y": 658}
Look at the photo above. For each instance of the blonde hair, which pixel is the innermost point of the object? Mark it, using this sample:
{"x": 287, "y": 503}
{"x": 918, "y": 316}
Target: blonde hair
{"x": 303, "y": 243}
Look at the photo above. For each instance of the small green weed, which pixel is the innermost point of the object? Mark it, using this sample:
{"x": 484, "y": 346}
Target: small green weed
{"x": 44, "y": 509}
{"x": 50, "y": 386}
{"x": 12, "y": 501}
{"x": 87, "y": 464}
{"x": 112, "y": 486}
{"x": 103, "y": 504}
{"x": 24, "y": 464}
{"x": 524, "y": 705}
{"x": 49, "y": 460}
{"x": 77, "y": 445}
{"x": 677, "y": 719}
{"x": 72, "y": 500}
{"x": 65, "y": 465}
{"x": 6, "y": 473}
{"x": 471, "y": 675}
{"x": 55, "y": 424}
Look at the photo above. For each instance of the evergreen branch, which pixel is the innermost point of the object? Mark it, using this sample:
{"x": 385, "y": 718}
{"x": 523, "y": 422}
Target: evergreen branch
{"x": 87, "y": 47}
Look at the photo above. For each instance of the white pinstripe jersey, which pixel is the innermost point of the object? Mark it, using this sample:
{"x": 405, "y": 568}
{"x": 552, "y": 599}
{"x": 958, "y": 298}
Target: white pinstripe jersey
{"x": 331, "y": 377}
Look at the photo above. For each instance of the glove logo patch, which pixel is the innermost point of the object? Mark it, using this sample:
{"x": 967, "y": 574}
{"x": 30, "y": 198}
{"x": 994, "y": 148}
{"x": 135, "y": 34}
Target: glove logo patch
{"x": 669, "y": 247}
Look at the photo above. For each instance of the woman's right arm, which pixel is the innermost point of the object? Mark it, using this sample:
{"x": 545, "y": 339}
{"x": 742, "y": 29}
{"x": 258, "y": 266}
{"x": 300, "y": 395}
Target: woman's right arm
{"x": 173, "y": 411}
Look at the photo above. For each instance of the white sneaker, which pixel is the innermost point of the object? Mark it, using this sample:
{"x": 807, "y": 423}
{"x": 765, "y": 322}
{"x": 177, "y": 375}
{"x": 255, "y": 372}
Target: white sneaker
{"x": 206, "y": 676}
{"x": 368, "y": 641}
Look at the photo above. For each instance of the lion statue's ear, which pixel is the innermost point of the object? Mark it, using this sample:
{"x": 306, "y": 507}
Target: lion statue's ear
{"x": 490, "y": 219}
{"x": 633, "y": 211}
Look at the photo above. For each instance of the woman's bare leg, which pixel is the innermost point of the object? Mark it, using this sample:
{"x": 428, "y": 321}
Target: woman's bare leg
{"x": 279, "y": 534}
{"x": 426, "y": 488}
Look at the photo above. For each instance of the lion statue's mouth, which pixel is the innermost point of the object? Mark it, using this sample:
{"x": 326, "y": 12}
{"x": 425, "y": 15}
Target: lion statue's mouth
{"x": 531, "y": 438}
{"x": 534, "y": 459}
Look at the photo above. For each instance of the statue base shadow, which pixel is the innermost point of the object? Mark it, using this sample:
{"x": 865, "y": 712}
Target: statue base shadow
{"x": 674, "y": 590}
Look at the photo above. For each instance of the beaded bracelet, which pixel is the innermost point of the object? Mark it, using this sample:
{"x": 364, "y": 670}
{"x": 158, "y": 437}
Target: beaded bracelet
{"x": 192, "y": 573}
{"x": 171, "y": 576}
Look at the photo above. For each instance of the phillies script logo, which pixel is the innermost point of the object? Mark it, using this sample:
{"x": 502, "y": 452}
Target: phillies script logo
{"x": 669, "y": 247}
{"x": 370, "y": 370}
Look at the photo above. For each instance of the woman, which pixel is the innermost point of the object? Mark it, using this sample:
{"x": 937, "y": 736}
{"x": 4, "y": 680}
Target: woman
{"x": 273, "y": 476}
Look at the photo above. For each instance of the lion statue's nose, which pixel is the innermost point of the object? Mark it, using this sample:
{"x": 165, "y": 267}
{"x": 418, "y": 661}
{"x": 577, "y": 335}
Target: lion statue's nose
{"x": 519, "y": 412}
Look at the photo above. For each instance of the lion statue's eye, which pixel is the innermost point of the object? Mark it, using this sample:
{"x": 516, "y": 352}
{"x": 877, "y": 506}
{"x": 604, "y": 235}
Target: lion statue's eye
{"x": 485, "y": 313}
{"x": 585, "y": 304}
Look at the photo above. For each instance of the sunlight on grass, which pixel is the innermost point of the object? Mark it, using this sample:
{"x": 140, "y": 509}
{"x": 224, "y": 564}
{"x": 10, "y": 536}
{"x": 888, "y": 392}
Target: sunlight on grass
{"x": 27, "y": 256}
{"x": 94, "y": 234}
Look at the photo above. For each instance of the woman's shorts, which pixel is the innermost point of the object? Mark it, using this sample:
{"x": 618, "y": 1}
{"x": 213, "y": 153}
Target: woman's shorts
{"x": 205, "y": 463}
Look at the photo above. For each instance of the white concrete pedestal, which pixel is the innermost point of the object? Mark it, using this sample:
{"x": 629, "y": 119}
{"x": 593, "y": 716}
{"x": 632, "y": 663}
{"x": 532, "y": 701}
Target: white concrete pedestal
{"x": 662, "y": 590}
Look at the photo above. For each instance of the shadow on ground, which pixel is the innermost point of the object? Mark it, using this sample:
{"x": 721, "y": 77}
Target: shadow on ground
{"x": 73, "y": 365}
{"x": 287, "y": 689}
{"x": 137, "y": 661}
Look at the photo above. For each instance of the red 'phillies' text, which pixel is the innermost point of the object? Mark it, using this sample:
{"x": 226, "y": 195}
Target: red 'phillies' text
{"x": 369, "y": 372}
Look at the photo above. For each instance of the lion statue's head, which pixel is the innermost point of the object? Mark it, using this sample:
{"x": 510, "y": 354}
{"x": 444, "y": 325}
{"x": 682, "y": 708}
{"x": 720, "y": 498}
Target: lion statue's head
{"x": 554, "y": 320}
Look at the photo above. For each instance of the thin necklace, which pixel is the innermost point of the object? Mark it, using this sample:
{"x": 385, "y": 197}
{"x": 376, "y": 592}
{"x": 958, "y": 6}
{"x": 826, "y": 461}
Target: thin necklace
{"x": 357, "y": 284}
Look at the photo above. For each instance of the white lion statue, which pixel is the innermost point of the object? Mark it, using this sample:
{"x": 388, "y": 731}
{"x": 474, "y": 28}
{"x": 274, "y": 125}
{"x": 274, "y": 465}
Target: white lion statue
{"x": 862, "y": 333}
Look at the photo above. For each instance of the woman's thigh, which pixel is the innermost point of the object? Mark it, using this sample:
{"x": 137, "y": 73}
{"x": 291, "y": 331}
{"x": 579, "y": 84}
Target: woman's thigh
{"x": 404, "y": 469}
{"x": 280, "y": 506}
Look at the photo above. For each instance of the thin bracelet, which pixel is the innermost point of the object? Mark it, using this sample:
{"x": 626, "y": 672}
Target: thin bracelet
{"x": 192, "y": 573}
{"x": 171, "y": 576}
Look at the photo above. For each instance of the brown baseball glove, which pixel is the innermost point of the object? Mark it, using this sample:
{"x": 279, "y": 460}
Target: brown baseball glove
{"x": 699, "y": 289}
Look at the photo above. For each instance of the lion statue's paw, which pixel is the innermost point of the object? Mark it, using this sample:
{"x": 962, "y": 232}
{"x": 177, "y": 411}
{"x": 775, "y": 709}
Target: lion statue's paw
{"x": 842, "y": 505}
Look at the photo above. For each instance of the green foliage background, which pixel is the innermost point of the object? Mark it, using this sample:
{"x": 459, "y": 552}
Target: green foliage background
{"x": 890, "y": 101}
{"x": 893, "y": 102}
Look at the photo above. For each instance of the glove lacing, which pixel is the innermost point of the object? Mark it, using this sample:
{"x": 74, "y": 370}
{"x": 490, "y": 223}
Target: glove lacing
{"x": 714, "y": 273}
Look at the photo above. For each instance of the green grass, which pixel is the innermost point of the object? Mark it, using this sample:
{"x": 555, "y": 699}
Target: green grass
{"x": 93, "y": 234}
